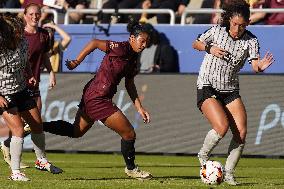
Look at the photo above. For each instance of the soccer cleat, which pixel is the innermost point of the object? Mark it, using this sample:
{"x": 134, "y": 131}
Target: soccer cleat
{"x": 230, "y": 179}
{"x": 138, "y": 174}
{"x": 19, "y": 177}
{"x": 202, "y": 159}
{"x": 23, "y": 165}
{"x": 6, "y": 156}
{"x": 47, "y": 166}
{"x": 6, "y": 153}
{"x": 27, "y": 129}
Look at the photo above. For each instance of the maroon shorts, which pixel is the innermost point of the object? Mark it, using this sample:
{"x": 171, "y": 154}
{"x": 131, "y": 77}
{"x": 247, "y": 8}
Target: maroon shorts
{"x": 98, "y": 108}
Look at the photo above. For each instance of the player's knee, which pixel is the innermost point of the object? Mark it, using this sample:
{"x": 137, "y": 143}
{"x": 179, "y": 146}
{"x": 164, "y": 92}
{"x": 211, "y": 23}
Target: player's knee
{"x": 221, "y": 128}
{"x": 130, "y": 135}
{"x": 243, "y": 133}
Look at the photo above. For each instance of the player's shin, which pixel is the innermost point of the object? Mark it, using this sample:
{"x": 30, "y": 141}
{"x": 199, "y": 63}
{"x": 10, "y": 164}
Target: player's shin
{"x": 128, "y": 152}
{"x": 59, "y": 127}
{"x": 16, "y": 147}
{"x": 235, "y": 151}
{"x": 211, "y": 140}
{"x": 39, "y": 144}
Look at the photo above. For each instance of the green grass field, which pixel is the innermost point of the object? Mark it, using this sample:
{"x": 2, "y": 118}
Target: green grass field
{"x": 107, "y": 171}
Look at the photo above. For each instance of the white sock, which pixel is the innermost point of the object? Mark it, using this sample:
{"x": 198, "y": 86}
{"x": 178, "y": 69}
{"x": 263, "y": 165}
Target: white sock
{"x": 235, "y": 151}
{"x": 16, "y": 148}
{"x": 211, "y": 140}
{"x": 15, "y": 171}
{"x": 39, "y": 145}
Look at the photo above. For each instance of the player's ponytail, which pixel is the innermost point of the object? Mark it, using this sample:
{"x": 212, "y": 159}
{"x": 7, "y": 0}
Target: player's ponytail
{"x": 135, "y": 28}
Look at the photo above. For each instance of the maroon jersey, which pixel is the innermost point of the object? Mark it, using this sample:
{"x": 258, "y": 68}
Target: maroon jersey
{"x": 38, "y": 46}
{"x": 120, "y": 61}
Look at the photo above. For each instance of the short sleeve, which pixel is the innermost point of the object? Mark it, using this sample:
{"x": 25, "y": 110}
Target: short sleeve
{"x": 253, "y": 49}
{"x": 207, "y": 36}
{"x": 114, "y": 48}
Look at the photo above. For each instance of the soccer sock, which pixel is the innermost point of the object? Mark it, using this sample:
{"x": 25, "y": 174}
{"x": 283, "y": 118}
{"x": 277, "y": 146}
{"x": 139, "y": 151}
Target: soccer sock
{"x": 7, "y": 142}
{"x": 16, "y": 147}
{"x": 235, "y": 152}
{"x": 39, "y": 145}
{"x": 128, "y": 152}
{"x": 211, "y": 140}
{"x": 59, "y": 127}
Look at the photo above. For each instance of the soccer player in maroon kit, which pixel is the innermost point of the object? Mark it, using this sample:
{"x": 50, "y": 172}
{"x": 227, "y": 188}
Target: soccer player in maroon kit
{"x": 96, "y": 103}
{"x": 39, "y": 46}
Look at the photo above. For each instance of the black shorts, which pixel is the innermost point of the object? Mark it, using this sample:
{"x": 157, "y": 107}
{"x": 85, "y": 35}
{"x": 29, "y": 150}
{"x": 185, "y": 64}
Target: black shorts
{"x": 34, "y": 91}
{"x": 23, "y": 100}
{"x": 209, "y": 92}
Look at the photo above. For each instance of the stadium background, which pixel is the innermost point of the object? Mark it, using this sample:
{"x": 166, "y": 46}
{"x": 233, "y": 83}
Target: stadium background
{"x": 180, "y": 37}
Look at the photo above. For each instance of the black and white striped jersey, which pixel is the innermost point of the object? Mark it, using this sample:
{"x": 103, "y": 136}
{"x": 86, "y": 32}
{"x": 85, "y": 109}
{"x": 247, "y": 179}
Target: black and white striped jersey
{"x": 222, "y": 74}
{"x": 12, "y": 69}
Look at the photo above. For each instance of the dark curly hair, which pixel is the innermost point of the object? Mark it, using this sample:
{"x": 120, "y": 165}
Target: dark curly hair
{"x": 11, "y": 31}
{"x": 234, "y": 8}
{"x": 135, "y": 28}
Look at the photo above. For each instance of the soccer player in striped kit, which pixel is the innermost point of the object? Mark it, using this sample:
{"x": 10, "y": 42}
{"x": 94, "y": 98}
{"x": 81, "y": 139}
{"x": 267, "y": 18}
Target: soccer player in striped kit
{"x": 227, "y": 47}
{"x": 16, "y": 103}
{"x": 120, "y": 61}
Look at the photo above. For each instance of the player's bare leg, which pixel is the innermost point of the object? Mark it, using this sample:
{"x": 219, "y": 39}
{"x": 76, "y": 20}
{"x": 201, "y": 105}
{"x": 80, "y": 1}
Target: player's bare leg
{"x": 121, "y": 125}
{"x": 216, "y": 115}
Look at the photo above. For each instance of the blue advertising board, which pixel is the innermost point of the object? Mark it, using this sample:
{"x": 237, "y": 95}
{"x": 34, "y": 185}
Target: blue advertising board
{"x": 180, "y": 37}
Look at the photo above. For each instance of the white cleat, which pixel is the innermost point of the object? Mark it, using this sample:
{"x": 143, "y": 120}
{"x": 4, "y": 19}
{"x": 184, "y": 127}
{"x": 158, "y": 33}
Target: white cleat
{"x": 19, "y": 177}
{"x": 202, "y": 159}
{"x": 7, "y": 158}
{"x": 23, "y": 165}
{"x": 6, "y": 153}
{"x": 230, "y": 179}
{"x": 27, "y": 129}
{"x": 138, "y": 174}
{"x": 47, "y": 166}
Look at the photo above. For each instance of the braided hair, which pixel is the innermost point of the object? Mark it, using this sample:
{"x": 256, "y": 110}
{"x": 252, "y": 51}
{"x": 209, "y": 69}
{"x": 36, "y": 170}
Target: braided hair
{"x": 235, "y": 8}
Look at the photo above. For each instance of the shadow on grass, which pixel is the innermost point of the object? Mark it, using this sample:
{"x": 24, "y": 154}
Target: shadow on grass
{"x": 150, "y": 166}
{"x": 153, "y": 179}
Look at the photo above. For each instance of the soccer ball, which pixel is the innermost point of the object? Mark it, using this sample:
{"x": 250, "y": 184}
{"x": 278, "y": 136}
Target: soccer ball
{"x": 212, "y": 173}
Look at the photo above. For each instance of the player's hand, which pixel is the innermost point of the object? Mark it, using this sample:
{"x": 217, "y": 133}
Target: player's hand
{"x": 266, "y": 61}
{"x": 217, "y": 51}
{"x": 48, "y": 25}
{"x": 32, "y": 81}
{"x": 145, "y": 115}
{"x": 146, "y": 4}
{"x": 3, "y": 102}
{"x": 71, "y": 64}
{"x": 52, "y": 80}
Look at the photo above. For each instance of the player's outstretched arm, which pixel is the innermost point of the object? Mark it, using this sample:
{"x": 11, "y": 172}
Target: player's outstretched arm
{"x": 261, "y": 65}
{"x": 90, "y": 47}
